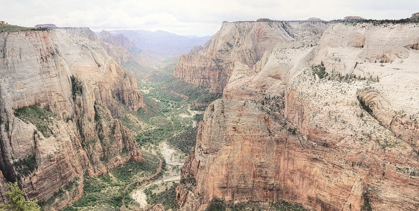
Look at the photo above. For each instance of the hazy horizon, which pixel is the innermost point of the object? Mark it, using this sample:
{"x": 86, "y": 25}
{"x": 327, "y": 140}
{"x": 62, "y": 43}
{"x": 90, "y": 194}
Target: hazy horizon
{"x": 197, "y": 18}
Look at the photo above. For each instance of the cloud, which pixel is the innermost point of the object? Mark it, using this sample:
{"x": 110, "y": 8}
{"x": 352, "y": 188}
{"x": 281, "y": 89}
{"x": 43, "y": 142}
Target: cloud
{"x": 190, "y": 17}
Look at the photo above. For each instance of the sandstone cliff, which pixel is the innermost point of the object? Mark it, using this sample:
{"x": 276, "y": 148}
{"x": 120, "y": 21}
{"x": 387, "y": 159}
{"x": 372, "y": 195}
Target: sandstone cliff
{"x": 59, "y": 92}
{"x": 244, "y": 42}
{"x": 327, "y": 118}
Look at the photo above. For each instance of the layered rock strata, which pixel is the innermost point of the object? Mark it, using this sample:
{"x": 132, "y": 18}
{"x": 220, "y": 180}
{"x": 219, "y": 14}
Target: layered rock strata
{"x": 328, "y": 120}
{"x": 244, "y": 42}
{"x": 59, "y": 94}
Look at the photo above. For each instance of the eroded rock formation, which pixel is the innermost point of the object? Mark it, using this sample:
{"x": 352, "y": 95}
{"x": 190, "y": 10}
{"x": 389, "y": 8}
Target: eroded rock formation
{"x": 244, "y": 42}
{"x": 59, "y": 92}
{"x": 326, "y": 117}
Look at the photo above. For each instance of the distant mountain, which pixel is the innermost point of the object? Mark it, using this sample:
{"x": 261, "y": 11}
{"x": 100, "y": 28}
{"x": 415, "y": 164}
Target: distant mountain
{"x": 162, "y": 41}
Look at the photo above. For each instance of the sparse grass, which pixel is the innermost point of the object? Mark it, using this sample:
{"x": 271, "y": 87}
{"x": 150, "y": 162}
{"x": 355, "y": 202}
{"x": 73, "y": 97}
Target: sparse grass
{"x": 38, "y": 116}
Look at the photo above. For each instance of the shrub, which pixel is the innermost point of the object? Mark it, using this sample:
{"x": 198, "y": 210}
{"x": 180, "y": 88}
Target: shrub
{"x": 216, "y": 205}
{"x": 366, "y": 206}
{"x": 320, "y": 70}
{"x": 27, "y": 165}
{"x": 37, "y": 116}
{"x": 189, "y": 180}
{"x": 76, "y": 87}
{"x": 17, "y": 201}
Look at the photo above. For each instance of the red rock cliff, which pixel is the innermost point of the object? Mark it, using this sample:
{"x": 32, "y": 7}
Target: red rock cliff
{"x": 68, "y": 77}
{"x": 330, "y": 125}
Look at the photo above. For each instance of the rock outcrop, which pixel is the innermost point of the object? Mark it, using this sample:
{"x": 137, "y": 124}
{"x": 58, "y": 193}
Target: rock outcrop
{"x": 415, "y": 15}
{"x": 59, "y": 94}
{"x": 244, "y": 42}
{"x": 326, "y": 118}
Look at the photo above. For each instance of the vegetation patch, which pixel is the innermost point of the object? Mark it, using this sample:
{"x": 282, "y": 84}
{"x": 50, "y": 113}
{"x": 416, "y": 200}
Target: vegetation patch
{"x": 16, "y": 200}
{"x": 320, "y": 70}
{"x": 38, "y": 116}
{"x": 366, "y": 206}
{"x": 220, "y": 205}
{"x": 27, "y": 165}
{"x": 184, "y": 141}
{"x": 157, "y": 135}
{"x": 76, "y": 87}
{"x": 288, "y": 206}
{"x": 167, "y": 198}
{"x": 15, "y": 28}
{"x": 216, "y": 205}
{"x": 106, "y": 192}
{"x": 380, "y": 22}
{"x": 189, "y": 180}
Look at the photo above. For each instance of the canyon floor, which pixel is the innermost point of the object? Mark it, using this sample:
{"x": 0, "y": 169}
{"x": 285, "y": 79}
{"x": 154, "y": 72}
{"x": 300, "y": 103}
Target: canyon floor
{"x": 165, "y": 130}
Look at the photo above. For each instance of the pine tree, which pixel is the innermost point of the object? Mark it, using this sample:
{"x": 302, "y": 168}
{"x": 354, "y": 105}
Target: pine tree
{"x": 17, "y": 201}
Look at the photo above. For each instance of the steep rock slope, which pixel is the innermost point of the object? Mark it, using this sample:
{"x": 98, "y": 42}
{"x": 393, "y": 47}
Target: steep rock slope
{"x": 333, "y": 126}
{"x": 244, "y": 42}
{"x": 59, "y": 92}
{"x": 118, "y": 47}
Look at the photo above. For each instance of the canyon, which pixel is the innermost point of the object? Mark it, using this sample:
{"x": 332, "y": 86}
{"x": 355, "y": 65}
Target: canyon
{"x": 318, "y": 113}
{"x": 60, "y": 94}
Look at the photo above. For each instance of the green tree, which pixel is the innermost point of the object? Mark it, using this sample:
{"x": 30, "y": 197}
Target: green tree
{"x": 17, "y": 201}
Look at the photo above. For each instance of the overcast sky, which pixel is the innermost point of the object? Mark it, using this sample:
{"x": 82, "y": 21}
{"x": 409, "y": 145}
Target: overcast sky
{"x": 191, "y": 17}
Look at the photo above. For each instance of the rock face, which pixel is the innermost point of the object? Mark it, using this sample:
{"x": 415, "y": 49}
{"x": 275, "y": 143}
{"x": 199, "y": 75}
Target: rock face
{"x": 327, "y": 118}
{"x": 59, "y": 92}
{"x": 244, "y": 42}
{"x": 415, "y": 15}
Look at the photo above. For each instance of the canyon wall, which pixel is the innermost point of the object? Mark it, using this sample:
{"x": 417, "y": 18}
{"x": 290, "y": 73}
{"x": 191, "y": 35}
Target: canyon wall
{"x": 326, "y": 117}
{"x": 59, "y": 94}
{"x": 244, "y": 42}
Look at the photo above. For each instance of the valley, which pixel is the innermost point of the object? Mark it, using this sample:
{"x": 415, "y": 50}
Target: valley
{"x": 165, "y": 130}
{"x": 266, "y": 115}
